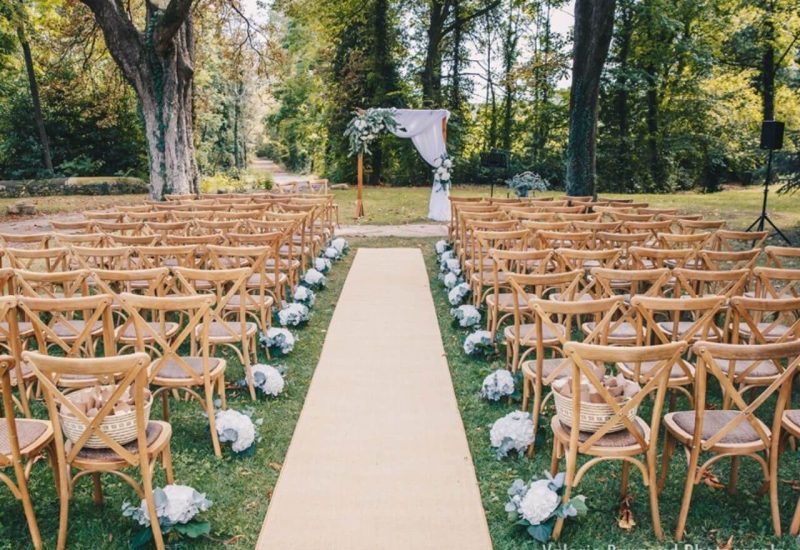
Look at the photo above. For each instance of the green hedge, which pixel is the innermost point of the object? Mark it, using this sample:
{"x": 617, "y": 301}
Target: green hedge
{"x": 10, "y": 189}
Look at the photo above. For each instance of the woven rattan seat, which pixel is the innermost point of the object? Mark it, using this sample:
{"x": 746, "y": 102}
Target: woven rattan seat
{"x": 172, "y": 369}
{"x": 129, "y": 333}
{"x": 714, "y": 421}
{"x": 30, "y": 433}
{"x": 157, "y": 433}
{"x": 227, "y": 331}
{"x": 621, "y": 439}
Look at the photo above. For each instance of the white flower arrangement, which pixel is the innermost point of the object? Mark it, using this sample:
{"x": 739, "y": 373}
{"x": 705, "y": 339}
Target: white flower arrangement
{"x": 498, "y": 384}
{"x": 513, "y": 432}
{"x": 524, "y": 183}
{"x": 538, "y": 504}
{"x": 340, "y": 244}
{"x": 452, "y": 265}
{"x": 450, "y": 280}
{"x": 323, "y": 265}
{"x": 268, "y": 379}
{"x": 442, "y": 176}
{"x": 446, "y": 255}
{"x": 479, "y": 343}
{"x": 366, "y": 126}
{"x": 441, "y": 247}
{"x": 293, "y": 315}
{"x": 466, "y": 315}
{"x": 177, "y": 508}
{"x": 305, "y": 296}
{"x": 278, "y": 338}
{"x": 314, "y": 280}
{"x": 458, "y": 294}
{"x": 236, "y": 428}
{"x": 332, "y": 253}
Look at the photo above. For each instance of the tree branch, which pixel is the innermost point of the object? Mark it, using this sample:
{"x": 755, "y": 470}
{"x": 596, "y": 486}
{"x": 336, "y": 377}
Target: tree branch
{"x": 173, "y": 19}
{"x": 467, "y": 18}
{"x": 123, "y": 39}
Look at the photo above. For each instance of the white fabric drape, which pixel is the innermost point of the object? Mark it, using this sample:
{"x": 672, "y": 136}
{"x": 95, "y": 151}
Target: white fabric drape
{"x": 424, "y": 128}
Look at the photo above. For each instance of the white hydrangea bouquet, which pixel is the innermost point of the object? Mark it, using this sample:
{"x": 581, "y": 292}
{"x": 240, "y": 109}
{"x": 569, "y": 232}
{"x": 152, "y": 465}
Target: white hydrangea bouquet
{"x": 527, "y": 182}
{"x": 479, "y": 343}
{"x": 280, "y": 339}
{"x": 366, "y": 126}
{"x": 458, "y": 294}
{"x": 304, "y": 295}
{"x": 293, "y": 315}
{"x": 323, "y": 265}
{"x": 442, "y": 172}
{"x": 340, "y": 244}
{"x": 314, "y": 280}
{"x": 442, "y": 246}
{"x": 177, "y": 508}
{"x": 512, "y": 432}
{"x": 235, "y": 428}
{"x": 467, "y": 315}
{"x": 450, "y": 280}
{"x": 451, "y": 265}
{"x": 268, "y": 379}
{"x": 497, "y": 385}
{"x": 538, "y": 504}
{"x": 332, "y": 253}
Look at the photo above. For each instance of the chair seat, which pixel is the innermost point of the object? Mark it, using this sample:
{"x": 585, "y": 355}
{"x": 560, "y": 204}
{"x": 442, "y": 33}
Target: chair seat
{"x": 556, "y": 297}
{"x": 791, "y": 421}
{"x": 505, "y": 300}
{"x": 676, "y": 374}
{"x": 682, "y": 425}
{"x": 172, "y": 371}
{"x": 27, "y": 373}
{"x": 549, "y": 366}
{"x": 32, "y": 435}
{"x": 771, "y": 332}
{"x": 227, "y": 331}
{"x": 128, "y": 334}
{"x": 622, "y": 441}
{"x": 622, "y": 331}
{"x": 74, "y": 327}
{"x": 488, "y": 278}
{"x": 683, "y": 329}
{"x": 269, "y": 280}
{"x": 25, "y": 330}
{"x": 528, "y": 333}
{"x": 764, "y": 369}
{"x": 158, "y": 435}
{"x": 253, "y": 302}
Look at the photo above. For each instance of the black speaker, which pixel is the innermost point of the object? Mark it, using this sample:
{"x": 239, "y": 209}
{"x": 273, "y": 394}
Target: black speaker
{"x": 772, "y": 135}
{"x": 496, "y": 159}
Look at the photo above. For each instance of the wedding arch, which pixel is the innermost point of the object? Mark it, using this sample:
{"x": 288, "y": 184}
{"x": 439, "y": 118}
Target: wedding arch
{"x": 427, "y": 130}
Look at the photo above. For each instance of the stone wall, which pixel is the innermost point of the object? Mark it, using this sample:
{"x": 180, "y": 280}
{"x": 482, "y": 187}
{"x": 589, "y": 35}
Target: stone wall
{"x": 10, "y": 189}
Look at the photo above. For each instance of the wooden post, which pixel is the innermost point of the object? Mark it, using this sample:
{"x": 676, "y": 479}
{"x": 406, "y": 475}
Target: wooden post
{"x": 360, "y": 192}
{"x": 444, "y": 130}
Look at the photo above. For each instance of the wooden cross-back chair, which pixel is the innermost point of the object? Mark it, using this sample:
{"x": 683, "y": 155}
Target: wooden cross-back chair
{"x": 152, "y": 442}
{"x": 258, "y": 299}
{"x": 132, "y": 240}
{"x": 571, "y": 259}
{"x": 560, "y": 318}
{"x": 132, "y": 229}
{"x": 481, "y": 270}
{"x": 113, "y": 258}
{"x": 79, "y": 226}
{"x": 595, "y": 227}
{"x": 58, "y": 284}
{"x": 680, "y": 241}
{"x": 164, "y": 228}
{"x": 658, "y": 211}
{"x": 522, "y": 334}
{"x": 725, "y": 239}
{"x": 736, "y": 432}
{"x": 192, "y": 215}
{"x": 500, "y": 299}
{"x": 775, "y": 283}
{"x": 576, "y": 240}
{"x": 22, "y": 441}
{"x": 228, "y": 325}
{"x": 789, "y": 426}
{"x": 698, "y": 282}
{"x": 467, "y": 220}
{"x": 782, "y": 256}
{"x": 758, "y": 321}
{"x": 631, "y": 216}
{"x": 72, "y": 327}
{"x": 12, "y": 342}
{"x": 29, "y": 240}
{"x": 580, "y": 217}
{"x": 298, "y": 242}
{"x": 722, "y": 260}
{"x": 637, "y": 437}
{"x": 689, "y": 226}
{"x": 623, "y": 241}
{"x": 40, "y": 259}
{"x": 652, "y": 227}
{"x": 174, "y": 369}
{"x": 149, "y": 257}
{"x": 80, "y": 239}
{"x": 651, "y": 258}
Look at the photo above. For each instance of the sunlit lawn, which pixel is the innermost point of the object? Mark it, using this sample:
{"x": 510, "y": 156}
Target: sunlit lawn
{"x": 60, "y": 204}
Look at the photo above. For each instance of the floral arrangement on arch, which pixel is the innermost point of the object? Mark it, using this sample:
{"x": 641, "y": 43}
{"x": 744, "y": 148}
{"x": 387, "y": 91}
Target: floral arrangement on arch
{"x": 538, "y": 505}
{"x": 177, "y": 508}
{"x": 366, "y": 126}
{"x": 527, "y": 182}
{"x": 442, "y": 176}
{"x": 280, "y": 339}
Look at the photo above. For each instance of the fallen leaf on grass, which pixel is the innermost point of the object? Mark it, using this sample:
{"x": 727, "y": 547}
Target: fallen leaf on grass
{"x": 233, "y": 540}
{"x": 711, "y": 479}
{"x": 625, "y": 519}
{"x": 793, "y": 483}
{"x": 727, "y": 546}
{"x": 276, "y": 466}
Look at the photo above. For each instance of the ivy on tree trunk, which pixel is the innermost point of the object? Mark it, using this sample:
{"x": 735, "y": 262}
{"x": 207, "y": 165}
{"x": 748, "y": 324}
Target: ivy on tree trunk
{"x": 594, "y": 22}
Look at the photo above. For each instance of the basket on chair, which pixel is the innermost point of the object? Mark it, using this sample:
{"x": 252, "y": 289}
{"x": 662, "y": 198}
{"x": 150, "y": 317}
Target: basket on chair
{"x": 593, "y": 415}
{"x": 120, "y": 427}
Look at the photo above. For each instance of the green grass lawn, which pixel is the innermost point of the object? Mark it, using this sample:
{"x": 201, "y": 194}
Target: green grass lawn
{"x": 739, "y": 206}
{"x": 240, "y": 487}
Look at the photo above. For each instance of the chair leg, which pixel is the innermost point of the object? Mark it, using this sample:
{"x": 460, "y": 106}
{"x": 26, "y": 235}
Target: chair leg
{"x": 624, "y": 479}
{"x": 526, "y": 393}
{"x": 669, "y": 448}
{"x": 537, "y": 404}
{"x": 794, "y": 530}
{"x": 555, "y": 457}
{"x": 223, "y": 400}
{"x": 572, "y": 460}
{"x": 166, "y": 461}
{"x": 733, "y": 479}
{"x": 63, "y": 509}
{"x": 27, "y": 506}
{"x": 686, "y": 502}
{"x": 652, "y": 486}
{"x": 147, "y": 486}
{"x": 212, "y": 422}
{"x": 98, "y": 488}
{"x": 774, "y": 456}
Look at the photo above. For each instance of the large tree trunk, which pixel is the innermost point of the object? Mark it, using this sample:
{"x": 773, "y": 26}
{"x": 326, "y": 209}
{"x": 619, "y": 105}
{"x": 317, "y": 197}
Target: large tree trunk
{"x": 594, "y": 23}
{"x": 621, "y": 104}
{"x": 431, "y": 77}
{"x": 159, "y": 64}
{"x": 37, "y": 104}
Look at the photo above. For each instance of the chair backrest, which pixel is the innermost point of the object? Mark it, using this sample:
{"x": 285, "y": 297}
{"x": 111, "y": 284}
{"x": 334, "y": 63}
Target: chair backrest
{"x": 696, "y": 283}
{"x": 689, "y": 226}
{"x": 685, "y": 319}
{"x": 765, "y": 320}
{"x": 571, "y": 259}
{"x": 725, "y": 239}
{"x": 783, "y": 256}
{"x": 129, "y": 376}
{"x": 58, "y": 284}
{"x": 584, "y": 358}
{"x": 39, "y": 259}
{"x": 164, "y": 347}
{"x": 223, "y": 284}
{"x": 648, "y": 258}
{"x": 32, "y": 240}
{"x": 649, "y": 282}
{"x": 578, "y": 240}
{"x": 166, "y": 256}
{"x": 784, "y": 356}
{"x": 773, "y": 282}
{"x": 80, "y": 239}
{"x": 115, "y": 258}
{"x": 10, "y": 342}
{"x": 7, "y": 363}
{"x": 720, "y": 260}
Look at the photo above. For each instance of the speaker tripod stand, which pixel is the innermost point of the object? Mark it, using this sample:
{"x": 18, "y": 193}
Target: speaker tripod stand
{"x": 764, "y": 217}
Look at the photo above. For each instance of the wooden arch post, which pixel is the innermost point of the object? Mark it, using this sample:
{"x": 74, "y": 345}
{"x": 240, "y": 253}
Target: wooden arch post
{"x": 360, "y": 191}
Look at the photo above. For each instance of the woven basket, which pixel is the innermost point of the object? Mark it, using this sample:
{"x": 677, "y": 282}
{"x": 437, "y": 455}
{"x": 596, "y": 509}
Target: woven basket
{"x": 120, "y": 427}
{"x": 593, "y": 415}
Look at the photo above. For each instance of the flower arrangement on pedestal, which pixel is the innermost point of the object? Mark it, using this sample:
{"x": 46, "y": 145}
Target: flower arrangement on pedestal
{"x": 538, "y": 504}
{"x": 366, "y": 126}
{"x": 527, "y": 182}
